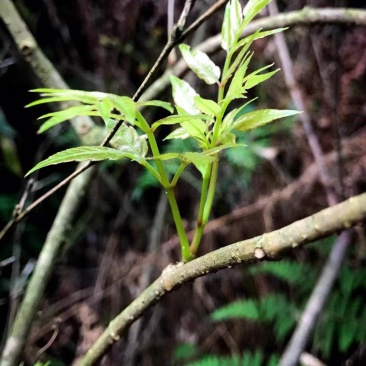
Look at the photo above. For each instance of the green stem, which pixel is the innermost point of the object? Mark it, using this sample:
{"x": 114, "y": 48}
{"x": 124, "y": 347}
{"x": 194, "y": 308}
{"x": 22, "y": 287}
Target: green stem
{"x": 178, "y": 174}
{"x": 186, "y": 253}
{"x": 200, "y": 224}
{"x": 169, "y": 189}
{"x": 211, "y": 190}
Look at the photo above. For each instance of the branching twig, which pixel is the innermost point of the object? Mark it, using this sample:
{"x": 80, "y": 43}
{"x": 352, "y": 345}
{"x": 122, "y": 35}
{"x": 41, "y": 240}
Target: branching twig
{"x": 262, "y": 247}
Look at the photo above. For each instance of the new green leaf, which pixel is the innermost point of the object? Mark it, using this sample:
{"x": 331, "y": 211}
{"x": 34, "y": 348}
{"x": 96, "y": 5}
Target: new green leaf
{"x": 260, "y": 118}
{"x": 200, "y": 64}
{"x": 183, "y": 95}
{"x": 251, "y": 9}
{"x": 232, "y": 20}
{"x": 128, "y": 140}
{"x": 82, "y": 153}
{"x": 125, "y": 106}
{"x": 64, "y": 115}
{"x": 207, "y": 106}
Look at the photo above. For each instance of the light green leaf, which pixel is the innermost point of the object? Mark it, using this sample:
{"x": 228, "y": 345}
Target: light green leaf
{"x": 207, "y": 106}
{"x": 183, "y": 95}
{"x": 105, "y": 107}
{"x": 247, "y": 41}
{"x": 64, "y": 115}
{"x": 75, "y": 95}
{"x": 172, "y": 120}
{"x": 253, "y": 80}
{"x": 236, "y": 89}
{"x": 217, "y": 149}
{"x": 47, "y": 100}
{"x": 232, "y": 20}
{"x": 260, "y": 118}
{"x": 200, "y": 161}
{"x": 201, "y": 64}
{"x": 167, "y": 156}
{"x": 82, "y": 153}
{"x": 228, "y": 120}
{"x": 195, "y": 128}
{"x": 251, "y": 9}
{"x": 127, "y": 139}
{"x": 179, "y": 133}
{"x": 227, "y": 138}
{"x": 156, "y": 103}
{"x": 125, "y": 106}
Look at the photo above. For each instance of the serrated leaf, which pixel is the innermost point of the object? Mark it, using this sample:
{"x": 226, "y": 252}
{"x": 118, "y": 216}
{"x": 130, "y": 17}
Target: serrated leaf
{"x": 127, "y": 139}
{"x": 75, "y": 95}
{"x": 201, "y": 64}
{"x": 232, "y": 20}
{"x": 48, "y": 100}
{"x": 65, "y": 115}
{"x": 253, "y": 80}
{"x": 183, "y": 95}
{"x": 83, "y": 153}
{"x": 259, "y": 118}
{"x": 156, "y": 103}
{"x": 125, "y": 106}
{"x": 207, "y": 106}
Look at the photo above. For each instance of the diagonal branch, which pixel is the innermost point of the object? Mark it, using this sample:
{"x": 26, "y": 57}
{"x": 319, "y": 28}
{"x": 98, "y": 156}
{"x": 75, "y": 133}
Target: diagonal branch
{"x": 266, "y": 246}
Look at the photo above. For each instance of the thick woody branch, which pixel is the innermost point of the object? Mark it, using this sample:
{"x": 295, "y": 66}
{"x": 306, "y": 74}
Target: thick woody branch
{"x": 266, "y": 246}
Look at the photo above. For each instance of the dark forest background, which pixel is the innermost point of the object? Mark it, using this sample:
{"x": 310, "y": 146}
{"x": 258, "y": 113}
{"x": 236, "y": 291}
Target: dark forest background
{"x": 110, "y": 46}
